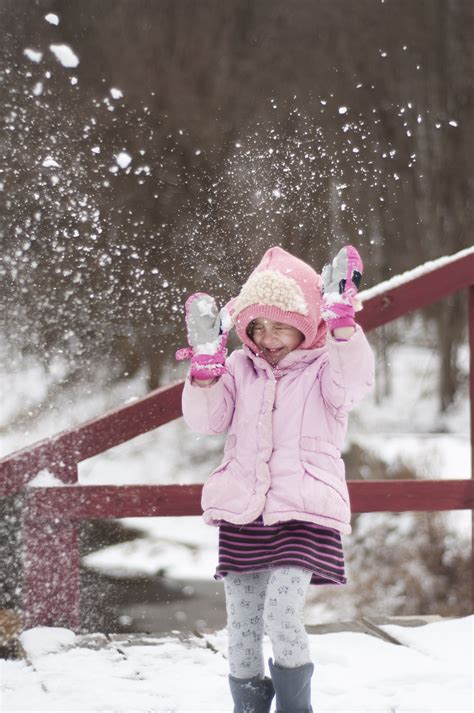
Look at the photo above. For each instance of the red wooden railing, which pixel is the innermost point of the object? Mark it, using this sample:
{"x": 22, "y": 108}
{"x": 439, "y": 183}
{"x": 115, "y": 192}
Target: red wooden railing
{"x": 52, "y": 516}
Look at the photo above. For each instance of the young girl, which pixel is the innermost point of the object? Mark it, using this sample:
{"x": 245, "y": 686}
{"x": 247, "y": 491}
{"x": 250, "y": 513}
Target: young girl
{"x": 279, "y": 496}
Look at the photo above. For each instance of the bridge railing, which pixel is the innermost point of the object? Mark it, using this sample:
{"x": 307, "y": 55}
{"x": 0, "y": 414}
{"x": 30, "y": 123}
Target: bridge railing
{"x": 52, "y": 516}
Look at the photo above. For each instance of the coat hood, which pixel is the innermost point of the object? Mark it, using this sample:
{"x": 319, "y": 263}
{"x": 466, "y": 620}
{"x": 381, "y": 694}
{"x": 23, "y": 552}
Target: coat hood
{"x": 282, "y": 288}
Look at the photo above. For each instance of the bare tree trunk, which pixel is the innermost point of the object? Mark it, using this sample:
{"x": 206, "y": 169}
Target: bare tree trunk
{"x": 450, "y": 325}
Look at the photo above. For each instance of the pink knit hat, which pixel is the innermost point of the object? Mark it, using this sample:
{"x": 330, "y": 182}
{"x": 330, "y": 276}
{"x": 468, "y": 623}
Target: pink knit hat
{"x": 282, "y": 288}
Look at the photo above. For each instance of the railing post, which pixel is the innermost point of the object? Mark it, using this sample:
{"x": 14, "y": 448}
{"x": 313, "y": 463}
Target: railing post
{"x": 51, "y": 568}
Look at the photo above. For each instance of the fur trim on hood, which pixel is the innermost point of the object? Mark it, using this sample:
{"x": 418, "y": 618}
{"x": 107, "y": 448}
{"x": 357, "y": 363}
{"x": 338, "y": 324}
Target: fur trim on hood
{"x": 282, "y": 288}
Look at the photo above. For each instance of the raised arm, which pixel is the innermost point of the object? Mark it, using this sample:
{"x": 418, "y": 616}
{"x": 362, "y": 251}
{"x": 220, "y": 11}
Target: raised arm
{"x": 209, "y": 409}
{"x": 209, "y": 391}
{"x": 348, "y": 373}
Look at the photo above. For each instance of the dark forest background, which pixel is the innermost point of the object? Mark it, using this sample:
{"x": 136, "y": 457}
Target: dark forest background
{"x": 249, "y": 123}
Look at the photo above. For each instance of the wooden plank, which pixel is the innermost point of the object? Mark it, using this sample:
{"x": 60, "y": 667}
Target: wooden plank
{"x": 105, "y": 501}
{"x": 108, "y": 501}
{"x": 372, "y": 625}
{"x": 418, "y": 292}
{"x": 62, "y": 453}
{"x": 411, "y": 495}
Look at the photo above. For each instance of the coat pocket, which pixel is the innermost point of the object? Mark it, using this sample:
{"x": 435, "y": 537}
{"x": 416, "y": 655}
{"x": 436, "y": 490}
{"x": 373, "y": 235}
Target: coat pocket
{"x": 323, "y": 455}
{"x": 324, "y": 483}
{"x": 225, "y": 490}
{"x": 318, "y": 445}
{"x": 212, "y": 486}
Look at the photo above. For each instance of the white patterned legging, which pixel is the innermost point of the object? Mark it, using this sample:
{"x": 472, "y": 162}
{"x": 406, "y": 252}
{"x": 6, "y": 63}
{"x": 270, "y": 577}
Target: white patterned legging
{"x": 269, "y": 602}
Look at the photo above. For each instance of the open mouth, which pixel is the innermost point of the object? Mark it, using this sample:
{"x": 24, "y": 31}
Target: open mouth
{"x": 274, "y": 352}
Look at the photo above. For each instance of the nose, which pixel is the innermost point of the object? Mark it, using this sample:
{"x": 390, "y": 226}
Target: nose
{"x": 269, "y": 339}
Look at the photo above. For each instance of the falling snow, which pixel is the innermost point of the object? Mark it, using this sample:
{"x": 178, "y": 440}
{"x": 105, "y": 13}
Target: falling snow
{"x": 52, "y": 18}
{"x": 315, "y": 175}
{"x": 65, "y": 55}
{"x": 34, "y": 55}
{"x": 123, "y": 159}
{"x": 50, "y": 162}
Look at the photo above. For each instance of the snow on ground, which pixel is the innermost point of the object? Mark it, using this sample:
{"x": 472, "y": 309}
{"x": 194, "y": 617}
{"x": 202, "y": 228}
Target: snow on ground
{"x": 185, "y": 547}
{"x": 431, "y": 672}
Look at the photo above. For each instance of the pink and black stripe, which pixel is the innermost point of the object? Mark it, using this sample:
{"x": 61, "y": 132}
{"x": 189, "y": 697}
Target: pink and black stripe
{"x": 254, "y": 547}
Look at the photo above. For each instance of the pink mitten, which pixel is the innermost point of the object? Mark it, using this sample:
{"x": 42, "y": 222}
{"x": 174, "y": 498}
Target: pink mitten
{"x": 207, "y": 331}
{"x": 340, "y": 282}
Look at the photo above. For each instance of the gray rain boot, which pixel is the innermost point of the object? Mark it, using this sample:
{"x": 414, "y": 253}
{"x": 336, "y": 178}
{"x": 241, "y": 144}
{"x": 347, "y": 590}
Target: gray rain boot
{"x": 293, "y": 687}
{"x": 251, "y": 695}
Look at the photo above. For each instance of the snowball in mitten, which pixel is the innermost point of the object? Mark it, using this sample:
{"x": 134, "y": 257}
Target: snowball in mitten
{"x": 340, "y": 282}
{"x": 207, "y": 332}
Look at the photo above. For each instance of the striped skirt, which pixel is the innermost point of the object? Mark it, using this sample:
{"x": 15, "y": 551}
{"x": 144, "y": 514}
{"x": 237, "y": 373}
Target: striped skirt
{"x": 254, "y": 547}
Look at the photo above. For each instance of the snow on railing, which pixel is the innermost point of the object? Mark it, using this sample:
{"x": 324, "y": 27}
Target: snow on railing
{"x": 409, "y": 275}
{"x": 416, "y": 288}
{"x": 52, "y": 513}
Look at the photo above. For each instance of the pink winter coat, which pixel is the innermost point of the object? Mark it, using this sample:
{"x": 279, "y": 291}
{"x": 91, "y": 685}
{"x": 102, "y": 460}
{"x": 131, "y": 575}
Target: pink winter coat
{"x": 282, "y": 456}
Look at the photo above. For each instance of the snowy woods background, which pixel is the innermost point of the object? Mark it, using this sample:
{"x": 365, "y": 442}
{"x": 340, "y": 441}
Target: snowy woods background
{"x": 173, "y": 144}
{"x": 246, "y": 124}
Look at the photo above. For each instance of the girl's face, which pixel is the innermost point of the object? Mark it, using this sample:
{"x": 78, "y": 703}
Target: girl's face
{"x": 274, "y": 339}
